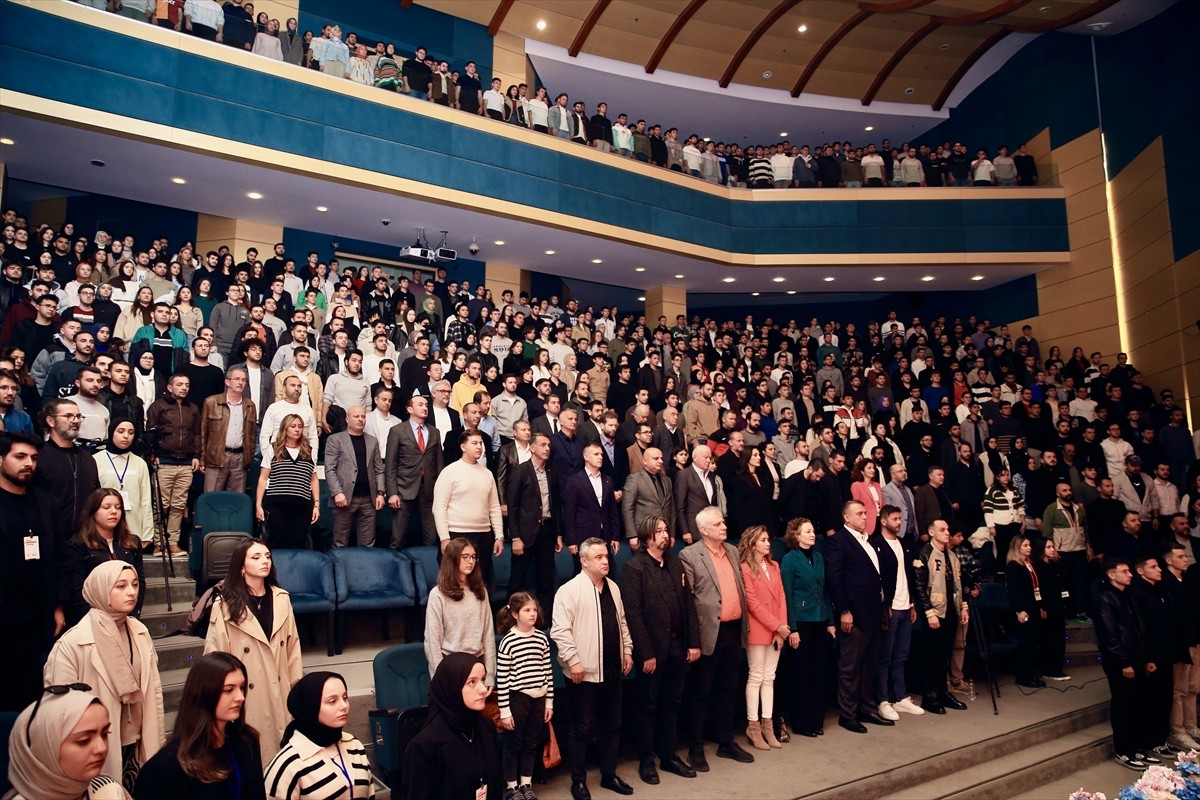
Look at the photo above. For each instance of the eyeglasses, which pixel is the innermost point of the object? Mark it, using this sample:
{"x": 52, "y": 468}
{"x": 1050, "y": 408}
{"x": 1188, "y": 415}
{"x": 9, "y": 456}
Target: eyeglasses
{"x": 54, "y": 690}
{"x": 69, "y": 417}
{"x": 468, "y": 557}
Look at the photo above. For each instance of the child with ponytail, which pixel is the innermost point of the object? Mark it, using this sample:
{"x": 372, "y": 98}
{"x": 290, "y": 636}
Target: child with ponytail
{"x": 525, "y": 689}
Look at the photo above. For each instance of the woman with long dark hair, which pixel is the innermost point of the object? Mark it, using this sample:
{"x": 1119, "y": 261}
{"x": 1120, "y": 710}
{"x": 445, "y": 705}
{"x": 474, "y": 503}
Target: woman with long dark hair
{"x": 137, "y": 316}
{"x": 288, "y": 497}
{"x": 810, "y": 618}
{"x": 318, "y": 757}
{"x": 103, "y": 536}
{"x": 253, "y": 618}
{"x": 112, "y": 652}
{"x": 750, "y": 498}
{"x": 458, "y": 617}
{"x": 866, "y": 490}
{"x": 1052, "y": 640}
{"x": 213, "y": 752}
{"x": 31, "y": 398}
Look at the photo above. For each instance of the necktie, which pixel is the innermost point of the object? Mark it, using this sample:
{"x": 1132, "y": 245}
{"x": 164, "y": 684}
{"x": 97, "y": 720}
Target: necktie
{"x": 658, "y": 487}
{"x": 421, "y": 438}
{"x": 554, "y": 426}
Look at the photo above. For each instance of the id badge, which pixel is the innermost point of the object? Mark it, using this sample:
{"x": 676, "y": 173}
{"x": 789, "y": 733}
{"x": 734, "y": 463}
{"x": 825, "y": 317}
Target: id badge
{"x": 33, "y": 548}
{"x": 1037, "y": 594}
{"x": 126, "y": 501}
{"x": 481, "y": 793}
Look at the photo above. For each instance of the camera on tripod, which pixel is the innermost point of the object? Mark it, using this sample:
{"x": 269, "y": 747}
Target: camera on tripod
{"x": 148, "y": 442}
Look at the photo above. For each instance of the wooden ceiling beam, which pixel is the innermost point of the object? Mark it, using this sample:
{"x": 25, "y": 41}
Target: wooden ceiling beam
{"x": 987, "y": 15}
{"x": 585, "y": 29}
{"x": 967, "y": 63}
{"x": 896, "y": 58}
{"x": 894, "y": 7}
{"x": 498, "y": 16}
{"x": 669, "y": 37}
{"x": 1067, "y": 21}
{"x": 827, "y": 48}
{"x": 759, "y": 31}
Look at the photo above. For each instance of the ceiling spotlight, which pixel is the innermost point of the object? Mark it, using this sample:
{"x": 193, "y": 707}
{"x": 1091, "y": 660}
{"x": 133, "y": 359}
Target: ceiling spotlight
{"x": 541, "y": 24}
{"x": 778, "y": 279}
{"x": 551, "y": 252}
{"x": 677, "y": 277}
{"x": 7, "y": 140}
{"x": 180, "y": 181}
{"x": 880, "y": 279}
{"x": 830, "y": 279}
{"x": 639, "y": 269}
{"x": 927, "y": 278}
{"x": 909, "y": 90}
{"x": 791, "y": 291}
{"x": 254, "y": 195}
{"x": 802, "y": 29}
{"x": 783, "y": 133}
{"x": 642, "y": 299}
{"x": 944, "y": 46}
{"x": 322, "y": 209}
{"x": 95, "y": 162}
{"x": 767, "y": 74}
{"x": 1045, "y": 10}
{"x": 1096, "y": 27}
{"x": 729, "y": 280}
{"x": 499, "y": 243}
{"x": 976, "y": 277}
{"x": 597, "y": 260}
{"x": 754, "y": 294}
{"x": 869, "y": 128}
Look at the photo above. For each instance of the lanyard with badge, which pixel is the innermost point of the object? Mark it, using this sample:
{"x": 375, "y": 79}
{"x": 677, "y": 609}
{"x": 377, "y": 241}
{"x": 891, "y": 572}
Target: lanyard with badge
{"x": 33, "y": 548}
{"x": 121, "y": 479}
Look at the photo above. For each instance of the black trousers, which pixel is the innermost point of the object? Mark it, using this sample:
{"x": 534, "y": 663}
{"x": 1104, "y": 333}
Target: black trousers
{"x": 658, "y": 697}
{"x": 1028, "y": 634}
{"x": 941, "y": 647}
{"x": 1156, "y": 707}
{"x": 1074, "y": 577}
{"x": 597, "y": 708}
{"x": 523, "y": 744}
{"x": 288, "y": 521}
{"x": 713, "y": 685}
{"x": 483, "y": 549}
{"x": 858, "y": 663}
{"x": 810, "y": 663}
{"x": 1052, "y": 644}
{"x": 540, "y": 554}
{"x": 1125, "y": 713}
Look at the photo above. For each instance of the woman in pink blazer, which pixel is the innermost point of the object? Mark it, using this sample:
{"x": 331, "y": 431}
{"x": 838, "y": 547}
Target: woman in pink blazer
{"x": 866, "y": 489}
{"x": 767, "y": 605}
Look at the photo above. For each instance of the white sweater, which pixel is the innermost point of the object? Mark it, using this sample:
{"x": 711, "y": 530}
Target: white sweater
{"x": 465, "y": 499}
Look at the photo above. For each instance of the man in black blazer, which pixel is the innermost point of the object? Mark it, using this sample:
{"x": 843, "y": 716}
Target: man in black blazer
{"x": 854, "y": 580}
{"x": 512, "y": 454}
{"x": 694, "y": 493}
{"x": 615, "y": 466}
{"x": 414, "y": 461}
{"x": 534, "y": 512}
{"x": 666, "y": 639}
{"x": 566, "y": 449}
{"x": 668, "y": 436}
{"x": 585, "y": 514}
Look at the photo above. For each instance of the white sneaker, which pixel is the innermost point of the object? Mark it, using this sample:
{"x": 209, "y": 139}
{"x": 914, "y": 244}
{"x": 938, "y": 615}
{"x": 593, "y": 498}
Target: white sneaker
{"x": 887, "y": 712}
{"x": 1183, "y": 742}
{"x": 908, "y": 707}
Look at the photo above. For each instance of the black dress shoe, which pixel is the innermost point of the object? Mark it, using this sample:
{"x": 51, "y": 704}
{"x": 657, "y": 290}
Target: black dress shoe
{"x": 697, "y": 759}
{"x": 820, "y": 731}
{"x": 677, "y": 766}
{"x": 950, "y": 701}
{"x": 734, "y": 751}
{"x": 1033, "y": 683}
{"x": 875, "y": 719}
{"x": 812, "y": 734}
{"x": 647, "y": 772}
{"x": 615, "y": 784}
{"x": 852, "y": 725}
{"x": 579, "y": 791}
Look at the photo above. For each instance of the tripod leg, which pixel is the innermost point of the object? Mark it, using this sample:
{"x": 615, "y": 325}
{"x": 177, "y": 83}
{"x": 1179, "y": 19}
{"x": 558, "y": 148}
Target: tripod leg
{"x": 985, "y": 655}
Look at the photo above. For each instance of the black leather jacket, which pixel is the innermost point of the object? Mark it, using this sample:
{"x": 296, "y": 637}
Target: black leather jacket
{"x": 1119, "y": 629}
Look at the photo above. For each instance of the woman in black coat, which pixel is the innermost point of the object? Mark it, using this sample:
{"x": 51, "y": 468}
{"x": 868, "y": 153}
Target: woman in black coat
{"x": 103, "y": 536}
{"x": 1024, "y": 593}
{"x": 1052, "y": 638}
{"x": 750, "y": 497}
{"x": 455, "y": 754}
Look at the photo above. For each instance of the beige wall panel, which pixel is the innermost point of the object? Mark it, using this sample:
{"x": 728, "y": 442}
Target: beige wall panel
{"x": 1084, "y": 289}
{"x": 499, "y": 277}
{"x": 1083, "y": 176}
{"x": 281, "y": 10}
{"x": 1137, "y": 242}
{"x": 1138, "y": 171}
{"x": 1088, "y": 231}
{"x": 1077, "y": 151}
{"x": 1186, "y": 274}
{"x": 211, "y": 228}
{"x": 1148, "y": 264}
{"x": 665, "y": 301}
{"x": 1086, "y": 203}
{"x": 1095, "y": 258}
{"x": 1145, "y": 208}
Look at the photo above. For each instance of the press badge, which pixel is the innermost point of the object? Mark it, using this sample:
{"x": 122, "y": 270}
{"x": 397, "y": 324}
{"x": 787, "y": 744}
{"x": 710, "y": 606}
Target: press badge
{"x": 481, "y": 793}
{"x": 126, "y": 501}
{"x": 33, "y": 550}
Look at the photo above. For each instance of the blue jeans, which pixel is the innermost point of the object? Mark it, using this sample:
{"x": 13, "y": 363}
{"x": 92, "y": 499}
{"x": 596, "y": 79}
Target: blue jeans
{"x": 893, "y": 657}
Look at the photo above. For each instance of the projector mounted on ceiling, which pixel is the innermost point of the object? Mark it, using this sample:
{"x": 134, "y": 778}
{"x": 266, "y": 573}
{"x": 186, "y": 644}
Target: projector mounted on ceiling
{"x": 421, "y": 251}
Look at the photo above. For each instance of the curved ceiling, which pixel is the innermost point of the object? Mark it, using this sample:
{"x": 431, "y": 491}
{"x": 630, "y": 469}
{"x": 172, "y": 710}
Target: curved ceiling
{"x": 906, "y": 51}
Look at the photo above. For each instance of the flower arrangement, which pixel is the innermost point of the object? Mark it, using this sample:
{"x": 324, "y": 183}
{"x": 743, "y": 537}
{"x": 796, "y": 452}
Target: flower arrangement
{"x": 1178, "y": 782}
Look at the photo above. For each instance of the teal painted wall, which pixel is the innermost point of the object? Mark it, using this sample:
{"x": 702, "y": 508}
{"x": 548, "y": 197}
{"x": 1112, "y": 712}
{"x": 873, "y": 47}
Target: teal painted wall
{"x": 300, "y": 243}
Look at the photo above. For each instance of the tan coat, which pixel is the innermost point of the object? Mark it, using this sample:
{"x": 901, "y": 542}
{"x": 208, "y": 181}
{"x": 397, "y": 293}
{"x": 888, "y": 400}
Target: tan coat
{"x": 74, "y": 659}
{"x": 272, "y": 667}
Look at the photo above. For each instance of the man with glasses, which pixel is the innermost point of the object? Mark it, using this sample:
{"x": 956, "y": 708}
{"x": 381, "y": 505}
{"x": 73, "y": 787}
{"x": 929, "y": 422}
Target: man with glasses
{"x": 65, "y": 470}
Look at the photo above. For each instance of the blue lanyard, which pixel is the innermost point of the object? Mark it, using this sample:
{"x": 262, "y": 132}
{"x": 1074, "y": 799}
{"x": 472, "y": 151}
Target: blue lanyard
{"x": 236, "y": 778}
{"x": 340, "y": 762}
{"x": 124, "y": 472}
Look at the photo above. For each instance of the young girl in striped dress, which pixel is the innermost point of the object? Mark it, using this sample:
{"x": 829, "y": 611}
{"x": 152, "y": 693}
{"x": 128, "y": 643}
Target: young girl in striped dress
{"x": 525, "y": 689}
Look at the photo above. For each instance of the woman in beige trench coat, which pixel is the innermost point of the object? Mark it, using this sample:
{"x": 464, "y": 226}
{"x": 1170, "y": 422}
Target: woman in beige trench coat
{"x": 251, "y": 604}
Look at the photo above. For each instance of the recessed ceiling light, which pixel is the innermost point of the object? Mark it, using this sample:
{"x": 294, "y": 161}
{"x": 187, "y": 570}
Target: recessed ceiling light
{"x": 597, "y": 260}
{"x": 976, "y": 277}
{"x": 639, "y": 269}
{"x": 95, "y": 162}
{"x": 499, "y": 243}
{"x": 7, "y": 140}
{"x": 642, "y": 299}
{"x": 879, "y": 278}
{"x": 754, "y": 294}
{"x": 909, "y": 90}
{"x": 830, "y": 279}
{"x": 541, "y": 24}
{"x": 802, "y": 28}
{"x": 678, "y": 276}
{"x": 767, "y": 74}
{"x": 791, "y": 291}
{"x": 1044, "y": 10}
{"x": 927, "y": 278}
{"x": 254, "y": 195}
{"x": 551, "y": 252}
{"x": 783, "y": 133}
{"x": 944, "y": 46}
{"x": 707, "y": 139}
{"x": 322, "y": 209}
{"x": 180, "y": 181}
{"x": 778, "y": 279}
{"x": 729, "y": 280}
{"x": 869, "y": 128}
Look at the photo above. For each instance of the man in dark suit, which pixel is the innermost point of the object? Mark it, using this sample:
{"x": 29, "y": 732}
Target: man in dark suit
{"x": 548, "y": 423}
{"x": 414, "y": 461}
{"x": 662, "y": 622}
{"x": 616, "y": 458}
{"x": 696, "y": 488}
{"x": 833, "y": 493}
{"x": 668, "y": 436}
{"x": 535, "y": 508}
{"x": 854, "y": 580}
{"x": 510, "y": 456}
{"x": 800, "y": 496}
{"x": 590, "y": 507}
{"x": 590, "y": 421}
{"x": 566, "y": 449}
{"x": 354, "y": 475}
{"x": 647, "y": 493}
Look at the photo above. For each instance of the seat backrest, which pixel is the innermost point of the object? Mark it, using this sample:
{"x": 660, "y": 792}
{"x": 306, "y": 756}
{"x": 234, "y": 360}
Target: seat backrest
{"x": 425, "y": 568}
{"x": 225, "y": 511}
{"x": 401, "y": 676}
{"x": 218, "y": 549}
{"x": 305, "y": 573}
{"x": 619, "y": 560}
{"x": 564, "y": 565}
{"x": 501, "y": 573}
{"x": 372, "y": 569}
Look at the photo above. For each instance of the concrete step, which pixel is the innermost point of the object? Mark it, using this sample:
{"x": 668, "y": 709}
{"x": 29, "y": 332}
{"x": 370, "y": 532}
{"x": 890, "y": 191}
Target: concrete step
{"x": 178, "y": 652}
{"x": 908, "y": 780}
{"x": 162, "y": 622}
{"x": 182, "y": 590}
{"x": 156, "y": 568}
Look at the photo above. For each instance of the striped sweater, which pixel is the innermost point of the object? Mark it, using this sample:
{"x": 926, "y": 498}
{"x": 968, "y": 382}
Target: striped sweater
{"x": 523, "y": 665}
{"x": 304, "y": 770}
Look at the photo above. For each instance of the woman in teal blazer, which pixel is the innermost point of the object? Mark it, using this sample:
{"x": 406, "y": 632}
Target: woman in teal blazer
{"x": 810, "y": 617}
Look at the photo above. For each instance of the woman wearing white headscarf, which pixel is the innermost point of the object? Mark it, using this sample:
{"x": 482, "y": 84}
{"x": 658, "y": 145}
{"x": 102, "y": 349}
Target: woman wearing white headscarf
{"x": 112, "y": 652}
{"x": 57, "y": 749}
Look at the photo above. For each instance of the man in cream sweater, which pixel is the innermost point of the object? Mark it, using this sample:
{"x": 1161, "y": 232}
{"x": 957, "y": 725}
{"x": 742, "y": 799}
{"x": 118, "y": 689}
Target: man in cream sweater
{"x": 466, "y": 503}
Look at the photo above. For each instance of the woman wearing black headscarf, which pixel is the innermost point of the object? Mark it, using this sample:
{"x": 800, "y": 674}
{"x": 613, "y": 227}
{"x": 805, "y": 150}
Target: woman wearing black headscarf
{"x": 319, "y": 759}
{"x": 455, "y": 756}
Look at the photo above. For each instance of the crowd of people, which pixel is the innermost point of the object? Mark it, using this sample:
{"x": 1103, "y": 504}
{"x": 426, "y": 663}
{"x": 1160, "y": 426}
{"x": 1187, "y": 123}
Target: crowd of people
{"x": 775, "y": 165}
{"x": 903, "y": 466}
